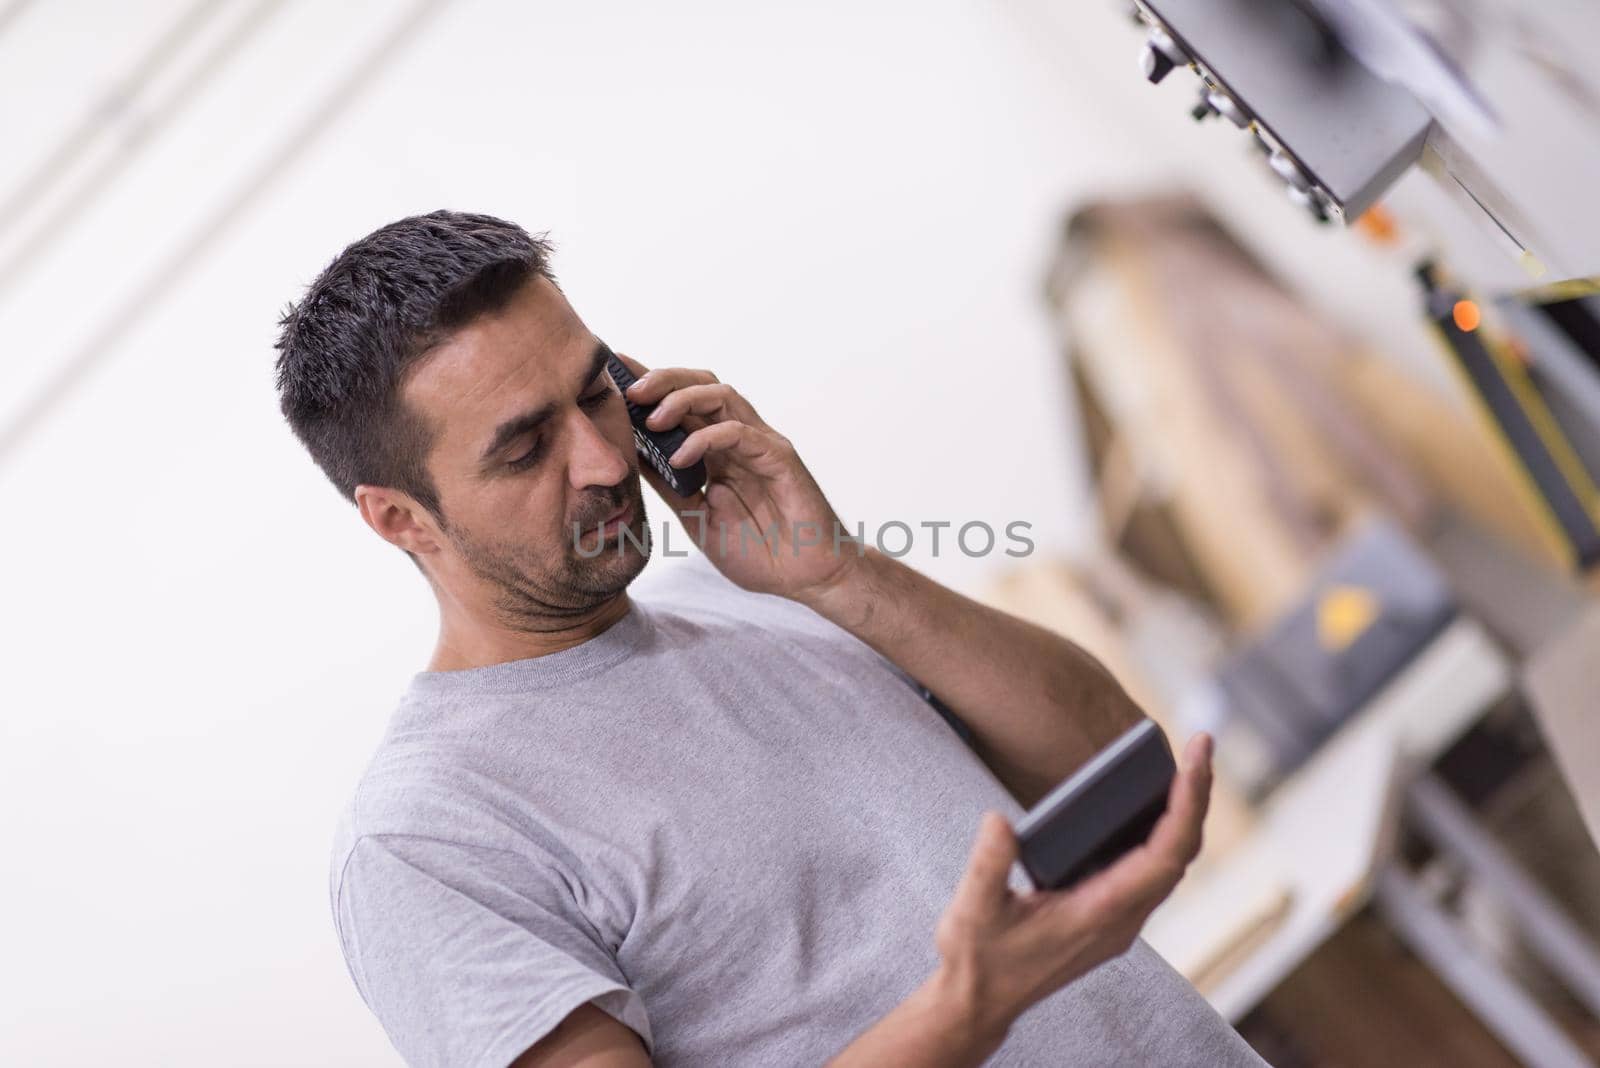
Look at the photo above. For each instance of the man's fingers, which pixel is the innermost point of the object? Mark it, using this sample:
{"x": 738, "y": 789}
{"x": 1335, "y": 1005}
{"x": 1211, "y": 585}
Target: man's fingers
{"x": 656, "y": 384}
{"x": 1135, "y": 884}
{"x": 758, "y": 448}
{"x": 1178, "y": 831}
{"x": 983, "y": 884}
{"x": 714, "y": 402}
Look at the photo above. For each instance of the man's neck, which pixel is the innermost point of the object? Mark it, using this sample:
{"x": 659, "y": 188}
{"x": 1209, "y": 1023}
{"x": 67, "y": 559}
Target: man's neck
{"x": 474, "y": 642}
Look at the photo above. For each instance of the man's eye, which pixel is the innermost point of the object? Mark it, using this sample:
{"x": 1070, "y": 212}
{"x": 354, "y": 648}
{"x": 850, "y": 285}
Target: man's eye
{"x": 526, "y": 460}
{"x": 597, "y": 399}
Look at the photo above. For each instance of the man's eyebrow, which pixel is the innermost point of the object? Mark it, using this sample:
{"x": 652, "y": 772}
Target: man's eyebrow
{"x": 518, "y": 425}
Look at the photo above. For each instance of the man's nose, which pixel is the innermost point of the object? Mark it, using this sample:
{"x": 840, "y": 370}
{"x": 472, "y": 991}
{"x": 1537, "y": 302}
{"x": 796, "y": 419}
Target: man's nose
{"x": 594, "y": 460}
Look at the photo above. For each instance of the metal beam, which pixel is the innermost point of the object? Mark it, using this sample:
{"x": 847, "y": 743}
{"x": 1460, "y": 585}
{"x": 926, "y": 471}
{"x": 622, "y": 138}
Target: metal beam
{"x": 1550, "y": 933}
{"x": 1505, "y": 1008}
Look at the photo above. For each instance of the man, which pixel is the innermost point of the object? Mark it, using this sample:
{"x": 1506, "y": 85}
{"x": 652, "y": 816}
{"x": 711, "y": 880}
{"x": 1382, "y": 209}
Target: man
{"x": 714, "y": 826}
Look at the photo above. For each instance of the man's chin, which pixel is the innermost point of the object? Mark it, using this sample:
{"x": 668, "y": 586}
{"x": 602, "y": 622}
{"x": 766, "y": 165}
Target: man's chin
{"x": 615, "y": 559}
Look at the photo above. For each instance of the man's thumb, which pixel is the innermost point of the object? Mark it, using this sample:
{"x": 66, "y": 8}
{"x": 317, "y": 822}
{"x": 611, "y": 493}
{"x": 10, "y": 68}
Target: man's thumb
{"x": 983, "y": 886}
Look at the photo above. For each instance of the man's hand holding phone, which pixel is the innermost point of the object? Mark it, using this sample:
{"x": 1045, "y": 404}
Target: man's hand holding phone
{"x": 1001, "y": 952}
{"x": 762, "y": 519}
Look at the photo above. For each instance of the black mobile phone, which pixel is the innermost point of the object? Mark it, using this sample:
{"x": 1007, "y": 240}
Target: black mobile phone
{"x": 1100, "y": 811}
{"x": 656, "y": 445}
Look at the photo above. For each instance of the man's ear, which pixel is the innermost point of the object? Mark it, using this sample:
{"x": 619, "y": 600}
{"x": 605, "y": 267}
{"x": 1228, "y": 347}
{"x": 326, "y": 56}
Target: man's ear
{"x": 398, "y": 519}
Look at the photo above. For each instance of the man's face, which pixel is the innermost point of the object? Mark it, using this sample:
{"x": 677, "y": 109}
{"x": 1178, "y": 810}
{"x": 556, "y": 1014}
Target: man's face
{"x": 531, "y": 439}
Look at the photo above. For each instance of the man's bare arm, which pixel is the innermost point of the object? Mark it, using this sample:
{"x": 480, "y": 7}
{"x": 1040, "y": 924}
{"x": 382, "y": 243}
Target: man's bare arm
{"x": 587, "y": 1038}
{"x": 1038, "y": 705}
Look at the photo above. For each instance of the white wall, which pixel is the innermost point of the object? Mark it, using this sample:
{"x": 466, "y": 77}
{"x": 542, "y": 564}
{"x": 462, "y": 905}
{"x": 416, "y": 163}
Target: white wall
{"x": 845, "y": 212}
{"x": 844, "y": 209}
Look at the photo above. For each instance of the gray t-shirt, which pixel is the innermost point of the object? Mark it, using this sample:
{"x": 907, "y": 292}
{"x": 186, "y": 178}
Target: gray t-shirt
{"x": 725, "y": 821}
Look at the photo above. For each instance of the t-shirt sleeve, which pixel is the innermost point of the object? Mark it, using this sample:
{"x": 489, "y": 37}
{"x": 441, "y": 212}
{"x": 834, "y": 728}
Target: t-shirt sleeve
{"x": 469, "y": 955}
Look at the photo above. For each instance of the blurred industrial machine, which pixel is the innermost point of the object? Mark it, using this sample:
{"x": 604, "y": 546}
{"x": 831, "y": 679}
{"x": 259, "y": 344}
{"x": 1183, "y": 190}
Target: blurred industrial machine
{"x": 1380, "y": 590}
{"x": 1498, "y": 100}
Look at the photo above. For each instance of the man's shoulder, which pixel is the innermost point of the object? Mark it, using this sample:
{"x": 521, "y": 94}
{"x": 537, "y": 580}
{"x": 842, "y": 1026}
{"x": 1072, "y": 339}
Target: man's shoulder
{"x": 409, "y": 789}
{"x": 417, "y": 811}
{"x": 694, "y": 587}
{"x": 695, "y": 590}
{"x": 405, "y": 791}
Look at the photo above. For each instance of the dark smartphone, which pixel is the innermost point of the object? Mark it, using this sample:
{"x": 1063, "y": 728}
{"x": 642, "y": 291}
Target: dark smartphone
{"x": 656, "y": 445}
{"x": 1100, "y": 811}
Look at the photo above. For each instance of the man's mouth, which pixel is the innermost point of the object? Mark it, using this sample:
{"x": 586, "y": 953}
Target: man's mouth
{"x": 613, "y": 523}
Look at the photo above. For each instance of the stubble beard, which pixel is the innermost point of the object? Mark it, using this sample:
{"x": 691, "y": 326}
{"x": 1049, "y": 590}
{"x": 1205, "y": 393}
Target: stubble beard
{"x": 542, "y": 588}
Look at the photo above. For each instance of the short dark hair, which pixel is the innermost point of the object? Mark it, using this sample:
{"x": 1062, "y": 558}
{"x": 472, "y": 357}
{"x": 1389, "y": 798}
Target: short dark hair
{"x": 380, "y": 305}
